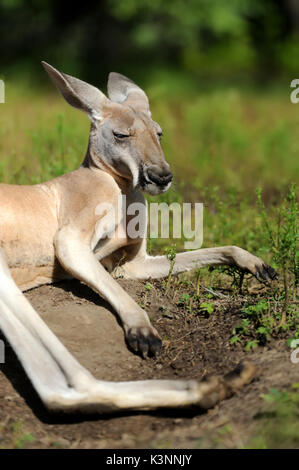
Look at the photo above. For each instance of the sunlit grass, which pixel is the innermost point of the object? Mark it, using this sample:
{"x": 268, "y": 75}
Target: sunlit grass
{"x": 231, "y": 138}
{"x": 278, "y": 425}
{"x": 223, "y": 137}
{"x": 41, "y": 136}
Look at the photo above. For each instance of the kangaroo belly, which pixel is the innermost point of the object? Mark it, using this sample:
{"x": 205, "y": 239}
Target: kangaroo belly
{"x": 28, "y": 277}
{"x": 28, "y": 225}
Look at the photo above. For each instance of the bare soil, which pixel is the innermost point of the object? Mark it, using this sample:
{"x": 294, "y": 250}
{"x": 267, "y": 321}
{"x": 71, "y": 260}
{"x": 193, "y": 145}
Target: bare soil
{"x": 193, "y": 346}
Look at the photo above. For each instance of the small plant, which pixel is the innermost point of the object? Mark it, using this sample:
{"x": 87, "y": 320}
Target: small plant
{"x": 197, "y": 274}
{"x": 21, "y": 438}
{"x": 282, "y": 240}
{"x": 186, "y": 300}
{"x": 236, "y": 275}
{"x": 278, "y": 422}
{"x": 143, "y": 302}
{"x": 235, "y": 338}
{"x": 251, "y": 344}
{"x": 206, "y": 307}
{"x": 170, "y": 255}
{"x": 257, "y": 324}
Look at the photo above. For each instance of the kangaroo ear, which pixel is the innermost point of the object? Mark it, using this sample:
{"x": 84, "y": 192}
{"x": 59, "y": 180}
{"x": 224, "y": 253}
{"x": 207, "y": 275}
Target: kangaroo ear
{"x": 77, "y": 93}
{"x": 122, "y": 90}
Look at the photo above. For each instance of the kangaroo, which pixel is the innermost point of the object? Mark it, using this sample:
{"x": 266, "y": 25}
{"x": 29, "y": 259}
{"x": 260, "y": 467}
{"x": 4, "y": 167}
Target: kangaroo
{"x": 53, "y": 231}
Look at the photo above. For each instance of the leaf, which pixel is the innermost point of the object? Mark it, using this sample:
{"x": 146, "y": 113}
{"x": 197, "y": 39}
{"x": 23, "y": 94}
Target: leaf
{"x": 251, "y": 345}
{"x": 207, "y": 307}
{"x": 263, "y": 330}
{"x": 234, "y": 339}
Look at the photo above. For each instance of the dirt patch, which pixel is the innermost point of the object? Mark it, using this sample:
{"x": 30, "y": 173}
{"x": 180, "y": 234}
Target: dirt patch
{"x": 193, "y": 345}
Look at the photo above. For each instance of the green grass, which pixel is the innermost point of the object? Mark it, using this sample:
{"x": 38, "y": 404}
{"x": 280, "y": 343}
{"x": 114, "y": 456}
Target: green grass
{"x": 278, "y": 423}
{"x": 20, "y": 438}
{"x": 41, "y": 136}
{"x": 231, "y": 138}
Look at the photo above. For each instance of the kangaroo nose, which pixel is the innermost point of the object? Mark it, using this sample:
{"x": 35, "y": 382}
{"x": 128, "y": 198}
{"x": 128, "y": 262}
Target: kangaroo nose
{"x": 160, "y": 178}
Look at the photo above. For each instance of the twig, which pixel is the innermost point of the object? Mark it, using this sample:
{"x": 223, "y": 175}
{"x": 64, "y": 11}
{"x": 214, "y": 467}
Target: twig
{"x": 211, "y": 291}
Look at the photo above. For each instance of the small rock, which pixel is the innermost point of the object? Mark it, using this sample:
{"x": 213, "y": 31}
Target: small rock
{"x": 8, "y": 398}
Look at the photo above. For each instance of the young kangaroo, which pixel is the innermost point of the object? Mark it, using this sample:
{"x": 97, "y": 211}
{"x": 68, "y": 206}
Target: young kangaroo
{"x": 54, "y": 230}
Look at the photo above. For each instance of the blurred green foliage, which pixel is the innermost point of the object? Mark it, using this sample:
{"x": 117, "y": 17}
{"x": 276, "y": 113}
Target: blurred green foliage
{"x": 211, "y": 37}
{"x": 224, "y": 40}
{"x": 278, "y": 424}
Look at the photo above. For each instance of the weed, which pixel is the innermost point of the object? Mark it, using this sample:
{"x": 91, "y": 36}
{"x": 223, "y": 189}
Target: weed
{"x": 260, "y": 323}
{"x": 186, "y": 301}
{"x": 236, "y": 275}
{"x": 20, "y": 438}
{"x": 278, "y": 424}
{"x": 170, "y": 255}
{"x": 282, "y": 238}
{"x": 23, "y": 440}
{"x": 206, "y": 307}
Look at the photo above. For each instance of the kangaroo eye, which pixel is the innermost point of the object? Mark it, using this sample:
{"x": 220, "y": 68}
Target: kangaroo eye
{"x": 118, "y": 135}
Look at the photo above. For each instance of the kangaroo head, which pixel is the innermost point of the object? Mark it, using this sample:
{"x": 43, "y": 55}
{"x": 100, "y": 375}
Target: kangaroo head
{"x": 123, "y": 137}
